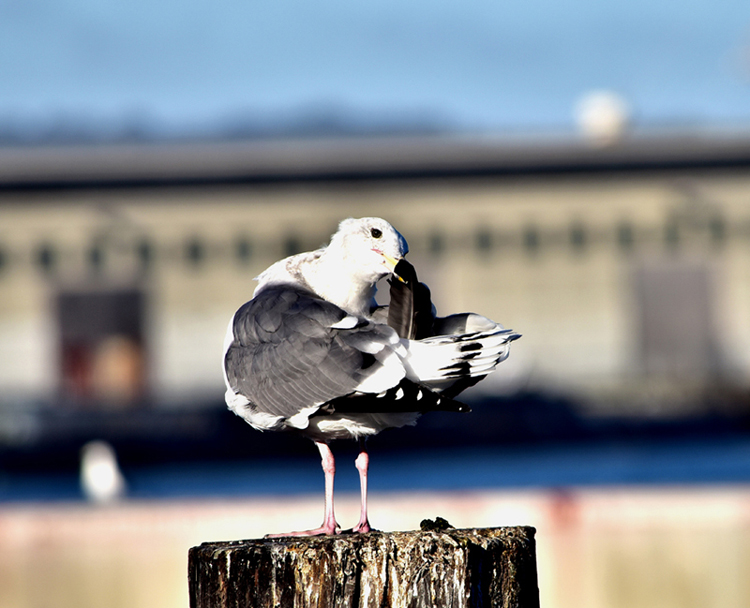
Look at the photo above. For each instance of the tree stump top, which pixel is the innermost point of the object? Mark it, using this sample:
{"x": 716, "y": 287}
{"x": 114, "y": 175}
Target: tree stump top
{"x": 453, "y": 567}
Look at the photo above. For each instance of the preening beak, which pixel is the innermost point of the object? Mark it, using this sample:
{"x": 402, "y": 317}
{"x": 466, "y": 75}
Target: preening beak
{"x": 391, "y": 264}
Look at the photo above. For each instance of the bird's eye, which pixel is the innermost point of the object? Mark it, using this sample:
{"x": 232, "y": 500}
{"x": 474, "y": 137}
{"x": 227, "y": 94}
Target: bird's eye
{"x": 376, "y": 233}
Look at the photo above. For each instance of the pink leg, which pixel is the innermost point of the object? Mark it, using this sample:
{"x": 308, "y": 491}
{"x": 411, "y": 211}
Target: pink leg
{"x": 363, "y": 464}
{"x": 329, "y": 523}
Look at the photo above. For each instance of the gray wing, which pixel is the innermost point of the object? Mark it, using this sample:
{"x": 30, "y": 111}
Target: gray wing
{"x": 285, "y": 356}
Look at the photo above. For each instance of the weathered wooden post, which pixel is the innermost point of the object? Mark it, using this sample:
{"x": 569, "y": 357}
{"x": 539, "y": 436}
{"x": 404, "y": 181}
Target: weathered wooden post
{"x": 490, "y": 567}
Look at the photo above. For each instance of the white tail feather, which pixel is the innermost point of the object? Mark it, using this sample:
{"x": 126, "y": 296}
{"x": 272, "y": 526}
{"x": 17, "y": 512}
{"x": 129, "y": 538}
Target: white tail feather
{"x": 440, "y": 360}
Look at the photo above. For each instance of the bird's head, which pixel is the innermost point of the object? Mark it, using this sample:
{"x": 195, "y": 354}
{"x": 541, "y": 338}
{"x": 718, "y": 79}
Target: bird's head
{"x": 372, "y": 244}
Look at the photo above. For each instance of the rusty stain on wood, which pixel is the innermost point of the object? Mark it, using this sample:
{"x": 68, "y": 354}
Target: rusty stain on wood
{"x": 492, "y": 567}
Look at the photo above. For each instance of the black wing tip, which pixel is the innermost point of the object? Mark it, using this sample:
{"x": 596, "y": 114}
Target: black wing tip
{"x": 406, "y": 396}
{"x": 405, "y": 271}
{"x": 443, "y": 403}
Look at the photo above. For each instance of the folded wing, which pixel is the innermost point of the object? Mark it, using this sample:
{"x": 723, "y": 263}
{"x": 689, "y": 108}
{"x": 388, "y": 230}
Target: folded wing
{"x": 290, "y": 355}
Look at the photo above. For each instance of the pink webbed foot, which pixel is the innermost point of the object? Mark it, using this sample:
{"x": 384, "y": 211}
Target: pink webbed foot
{"x": 363, "y": 527}
{"x": 323, "y": 530}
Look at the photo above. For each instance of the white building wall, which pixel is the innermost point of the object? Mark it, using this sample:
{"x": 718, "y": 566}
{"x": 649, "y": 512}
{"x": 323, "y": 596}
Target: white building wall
{"x": 574, "y": 304}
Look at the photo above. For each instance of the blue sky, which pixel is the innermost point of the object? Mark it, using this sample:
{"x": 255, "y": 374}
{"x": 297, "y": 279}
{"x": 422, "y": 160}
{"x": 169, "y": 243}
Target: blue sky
{"x": 194, "y": 66}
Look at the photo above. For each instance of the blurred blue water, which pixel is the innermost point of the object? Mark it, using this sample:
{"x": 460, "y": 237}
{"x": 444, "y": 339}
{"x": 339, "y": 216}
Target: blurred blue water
{"x": 714, "y": 461}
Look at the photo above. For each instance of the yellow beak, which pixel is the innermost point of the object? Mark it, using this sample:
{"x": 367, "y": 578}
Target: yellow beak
{"x": 391, "y": 264}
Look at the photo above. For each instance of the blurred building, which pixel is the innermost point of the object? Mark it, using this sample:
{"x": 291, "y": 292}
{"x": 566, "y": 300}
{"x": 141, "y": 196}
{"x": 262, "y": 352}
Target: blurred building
{"x": 626, "y": 268}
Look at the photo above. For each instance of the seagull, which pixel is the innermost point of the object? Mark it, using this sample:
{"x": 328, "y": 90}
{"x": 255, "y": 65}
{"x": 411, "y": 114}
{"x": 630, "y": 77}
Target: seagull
{"x": 313, "y": 353}
{"x": 101, "y": 480}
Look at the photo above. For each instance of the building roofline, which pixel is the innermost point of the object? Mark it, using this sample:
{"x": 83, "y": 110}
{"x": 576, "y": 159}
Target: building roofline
{"x": 257, "y": 162}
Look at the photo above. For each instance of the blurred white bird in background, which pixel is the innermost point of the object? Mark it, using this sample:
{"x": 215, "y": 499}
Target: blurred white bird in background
{"x": 101, "y": 480}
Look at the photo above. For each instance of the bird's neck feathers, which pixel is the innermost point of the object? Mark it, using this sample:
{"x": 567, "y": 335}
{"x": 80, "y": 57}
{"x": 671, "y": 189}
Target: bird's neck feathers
{"x": 339, "y": 279}
{"x": 330, "y": 274}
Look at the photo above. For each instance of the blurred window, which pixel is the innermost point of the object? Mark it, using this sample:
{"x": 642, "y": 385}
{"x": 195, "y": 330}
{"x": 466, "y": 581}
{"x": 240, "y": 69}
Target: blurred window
{"x": 101, "y": 347}
{"x": 677, "y": 333}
